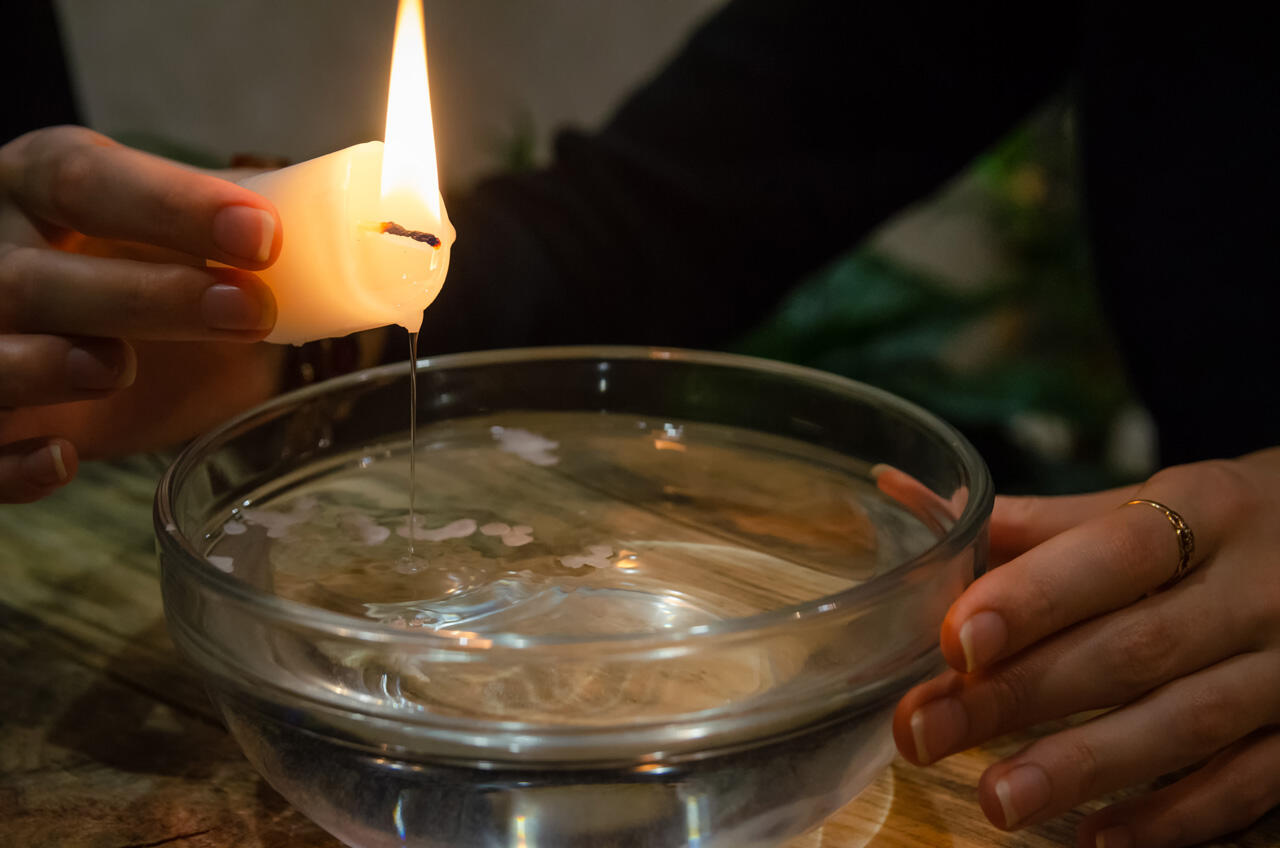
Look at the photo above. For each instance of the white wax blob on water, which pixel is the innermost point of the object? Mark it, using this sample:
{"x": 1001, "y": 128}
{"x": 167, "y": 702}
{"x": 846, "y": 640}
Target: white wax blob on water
{"x": 363, "y": 528}
{"x": 525, "y": 444}
{"x": 518, "y": 536}
{"x": 278, "y": 523}
{"x": 460, "y": 529}
{"x": 512, "y": 537}
{"x": 597, "y": 556}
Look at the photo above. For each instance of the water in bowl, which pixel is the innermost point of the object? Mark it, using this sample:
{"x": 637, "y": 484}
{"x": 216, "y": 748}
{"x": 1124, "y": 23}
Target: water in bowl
{"x": 569, "y": 525}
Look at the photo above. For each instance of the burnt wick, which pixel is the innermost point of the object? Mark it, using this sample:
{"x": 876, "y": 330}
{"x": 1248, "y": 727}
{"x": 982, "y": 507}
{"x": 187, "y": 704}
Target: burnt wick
{"x": 394, "y": 229}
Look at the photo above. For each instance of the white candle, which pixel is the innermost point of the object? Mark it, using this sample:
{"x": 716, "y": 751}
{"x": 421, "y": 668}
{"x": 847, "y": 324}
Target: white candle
{"x": 340, "y": 268}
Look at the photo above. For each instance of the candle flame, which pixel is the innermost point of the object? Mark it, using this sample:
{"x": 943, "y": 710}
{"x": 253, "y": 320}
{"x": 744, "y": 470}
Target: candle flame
{"x": 409, "y": 177}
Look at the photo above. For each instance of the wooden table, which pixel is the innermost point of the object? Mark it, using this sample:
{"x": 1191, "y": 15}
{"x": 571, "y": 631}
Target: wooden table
{"x": 107, "y": 739}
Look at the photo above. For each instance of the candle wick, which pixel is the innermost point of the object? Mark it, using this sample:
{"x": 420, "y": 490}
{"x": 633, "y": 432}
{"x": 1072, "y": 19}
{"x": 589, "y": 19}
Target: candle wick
{"x": 393, "y": 229}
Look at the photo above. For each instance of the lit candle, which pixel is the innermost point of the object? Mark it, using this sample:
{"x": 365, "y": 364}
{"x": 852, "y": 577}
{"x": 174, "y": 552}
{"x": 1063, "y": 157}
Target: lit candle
{"x": 366, "y": 239}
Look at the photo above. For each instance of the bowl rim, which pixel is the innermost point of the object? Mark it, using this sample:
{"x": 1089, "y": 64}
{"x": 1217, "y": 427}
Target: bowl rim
{"x": 180, "y": 550}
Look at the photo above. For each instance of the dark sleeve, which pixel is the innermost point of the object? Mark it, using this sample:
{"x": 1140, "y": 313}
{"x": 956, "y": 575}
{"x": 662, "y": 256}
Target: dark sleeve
{"x": 1179, "y": 130}
{"x": 38, "y": 93}
{"x": 777, "y": 137}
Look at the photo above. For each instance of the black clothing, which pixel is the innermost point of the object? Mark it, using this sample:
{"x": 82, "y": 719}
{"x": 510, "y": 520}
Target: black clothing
{"x": 784, "y": 131}
{"x": 38, "y": 90}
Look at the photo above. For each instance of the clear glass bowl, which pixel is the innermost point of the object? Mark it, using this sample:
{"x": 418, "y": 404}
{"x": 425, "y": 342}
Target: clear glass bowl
{"x": 776, "y": 550}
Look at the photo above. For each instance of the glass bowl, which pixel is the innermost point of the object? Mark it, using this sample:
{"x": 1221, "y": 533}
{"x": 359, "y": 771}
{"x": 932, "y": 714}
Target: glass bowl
{"x": 656, "y": 597}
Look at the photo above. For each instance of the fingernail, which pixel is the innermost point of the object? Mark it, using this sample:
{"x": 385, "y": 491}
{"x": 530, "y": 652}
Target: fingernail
{"x": 937, "y": 727}
{"x": 245, "y": 232}
{"x": 1113, "y": 837}
{"x": 917, "y": 733}
{"x": 1022, "y": 792}
{"x": 44, "y": 466}
{"x": 227, "y": 307}
{"x": 983, "y": 637}
{"x": 89, "y": 367}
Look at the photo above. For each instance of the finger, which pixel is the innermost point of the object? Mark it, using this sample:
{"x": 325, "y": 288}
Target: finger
{"x": 188, "y": 388}
{"x": 1092, "y": 568}
{"x": 32, "y": 469}
{"x": 1232, "y": 791}
{"x": 78, "y": 179}
{"x": 1019, "y": 523}
{"x": 114, "y": 249}
{"x": 1113, "y": 659}
{"x": 1179, "y": 724}
{"x": 921, "y": 501}
{"x": 36, "y": 370}
{"x": 50, "y": 291}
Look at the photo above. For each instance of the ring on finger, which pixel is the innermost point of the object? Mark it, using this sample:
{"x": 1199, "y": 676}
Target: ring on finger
{"x": 1186, "y": 538}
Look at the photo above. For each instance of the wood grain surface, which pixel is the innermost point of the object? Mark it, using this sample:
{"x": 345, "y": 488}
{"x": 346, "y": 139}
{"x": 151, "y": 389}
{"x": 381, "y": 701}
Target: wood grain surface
{"x": 107, "y": 738}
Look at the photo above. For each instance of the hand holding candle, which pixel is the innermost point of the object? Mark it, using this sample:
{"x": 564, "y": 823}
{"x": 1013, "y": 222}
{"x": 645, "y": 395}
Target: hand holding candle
{"x": 366, "y": 238}
{"x": 101, "y": 255}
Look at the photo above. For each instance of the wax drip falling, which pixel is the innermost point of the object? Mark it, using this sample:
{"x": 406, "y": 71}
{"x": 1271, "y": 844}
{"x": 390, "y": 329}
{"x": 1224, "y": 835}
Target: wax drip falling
{"x": 413, "y": 433}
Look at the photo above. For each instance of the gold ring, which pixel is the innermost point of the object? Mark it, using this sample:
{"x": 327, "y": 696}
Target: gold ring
{"x": 1186, "y": 539}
